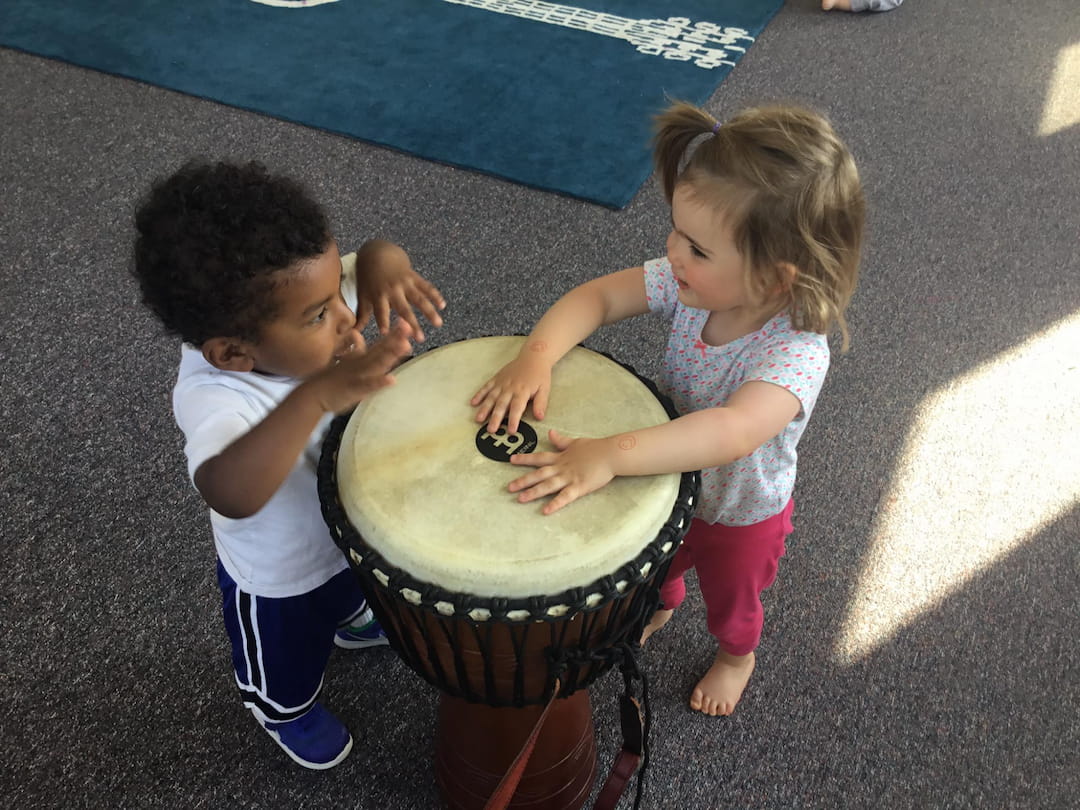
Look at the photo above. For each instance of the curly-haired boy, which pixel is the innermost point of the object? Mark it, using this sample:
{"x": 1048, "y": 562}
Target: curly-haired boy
{"x": 241, "y": 265}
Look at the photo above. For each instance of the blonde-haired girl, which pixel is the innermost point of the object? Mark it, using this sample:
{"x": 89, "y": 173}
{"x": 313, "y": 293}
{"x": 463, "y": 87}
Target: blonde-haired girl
{"x": 762, "y": 260}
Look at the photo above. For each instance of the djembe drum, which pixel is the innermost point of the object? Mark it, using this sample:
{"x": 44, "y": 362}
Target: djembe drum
{"x": 496, "y": 604}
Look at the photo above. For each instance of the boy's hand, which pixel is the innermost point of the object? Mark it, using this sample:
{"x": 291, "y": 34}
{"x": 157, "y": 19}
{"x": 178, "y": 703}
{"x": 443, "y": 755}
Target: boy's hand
{"x": 385, "y": 280}
{"x": 579, "y": 467}
{"x": 360, "y": 373}
{"x": 509, "y": 391}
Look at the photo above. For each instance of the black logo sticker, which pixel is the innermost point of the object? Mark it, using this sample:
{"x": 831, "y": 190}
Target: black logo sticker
{"x": 500, "y": 445}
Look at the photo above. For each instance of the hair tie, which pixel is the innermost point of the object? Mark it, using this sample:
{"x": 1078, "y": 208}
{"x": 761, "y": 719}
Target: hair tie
{"x": 716, "y": 127}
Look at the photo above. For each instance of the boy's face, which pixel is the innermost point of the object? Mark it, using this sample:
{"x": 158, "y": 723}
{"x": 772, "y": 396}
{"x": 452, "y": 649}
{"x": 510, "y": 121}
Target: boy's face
{"x": 313, "y": 326}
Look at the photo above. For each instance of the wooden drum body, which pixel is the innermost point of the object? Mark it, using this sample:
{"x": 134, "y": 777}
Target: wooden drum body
{"x": 484, "y": 597}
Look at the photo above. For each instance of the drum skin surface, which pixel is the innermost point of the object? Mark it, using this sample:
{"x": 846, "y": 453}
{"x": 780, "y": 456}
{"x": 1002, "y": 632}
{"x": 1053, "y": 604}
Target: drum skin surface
{"x": 416, "y": 487}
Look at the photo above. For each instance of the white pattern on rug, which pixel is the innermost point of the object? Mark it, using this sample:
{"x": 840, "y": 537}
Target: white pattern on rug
{"x": 293, "y": 3}
{"x": 673, "y": 38}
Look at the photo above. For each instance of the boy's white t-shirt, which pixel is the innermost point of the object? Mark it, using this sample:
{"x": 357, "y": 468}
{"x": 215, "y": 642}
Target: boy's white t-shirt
{"x": 698, "y": 376}
{"x": 285, "y": 549}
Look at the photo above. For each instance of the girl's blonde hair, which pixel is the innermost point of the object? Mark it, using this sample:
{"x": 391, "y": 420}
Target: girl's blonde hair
{"x": 788, "y": 188}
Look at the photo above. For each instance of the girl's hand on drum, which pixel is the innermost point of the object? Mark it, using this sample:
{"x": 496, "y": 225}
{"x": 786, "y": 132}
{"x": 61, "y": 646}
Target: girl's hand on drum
{"x": 360, "y": 373}
{"x": 385, "y": 280}
{"x": 507, "y": 394}
{"x": 579, "y": 466}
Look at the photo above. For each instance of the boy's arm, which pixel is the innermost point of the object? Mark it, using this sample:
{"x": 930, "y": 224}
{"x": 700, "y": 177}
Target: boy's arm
{"x": 239, "y": 480}
{"x": 385, "y": 280}
{"x": 712, "y": 437}
{"x": 570, "y": 320}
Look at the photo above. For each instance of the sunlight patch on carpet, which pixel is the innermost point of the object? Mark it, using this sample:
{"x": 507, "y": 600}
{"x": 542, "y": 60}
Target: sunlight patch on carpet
{"x": 1061, "y": 109}
{"x": 989, "y": 462}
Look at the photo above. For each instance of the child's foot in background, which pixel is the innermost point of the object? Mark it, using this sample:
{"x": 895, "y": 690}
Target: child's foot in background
{"x": 860, "y": 5}
{"x": 658, "y": 620}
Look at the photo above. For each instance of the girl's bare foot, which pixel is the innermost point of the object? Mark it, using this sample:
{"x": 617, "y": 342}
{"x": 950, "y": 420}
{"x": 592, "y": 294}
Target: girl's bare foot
{"x": 658, "y": 620}
{"x": 720, "y": 689}
{"x": 839, "y": 5}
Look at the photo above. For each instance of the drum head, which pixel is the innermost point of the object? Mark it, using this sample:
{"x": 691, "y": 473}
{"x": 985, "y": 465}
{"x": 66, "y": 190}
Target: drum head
{"x": 415, "y": 485}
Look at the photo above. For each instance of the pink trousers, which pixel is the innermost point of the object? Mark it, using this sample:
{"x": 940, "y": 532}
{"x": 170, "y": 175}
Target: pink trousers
{"x": 734, "y": 565}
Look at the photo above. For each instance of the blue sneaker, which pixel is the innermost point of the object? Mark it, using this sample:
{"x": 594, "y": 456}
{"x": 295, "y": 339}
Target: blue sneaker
{"x": 364, "y": 632}
{"x": 316, "y": 740}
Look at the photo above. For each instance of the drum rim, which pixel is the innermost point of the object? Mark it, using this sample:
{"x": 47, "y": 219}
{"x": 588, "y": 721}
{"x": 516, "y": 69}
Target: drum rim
{"x": 547, "y": 607}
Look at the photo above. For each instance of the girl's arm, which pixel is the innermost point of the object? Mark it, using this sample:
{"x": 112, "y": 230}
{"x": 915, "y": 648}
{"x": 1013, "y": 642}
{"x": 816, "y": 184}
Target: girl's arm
{"x": 239, "y": 480}
{"x": 573, "y": 318}
{"x": 755, "y": 413}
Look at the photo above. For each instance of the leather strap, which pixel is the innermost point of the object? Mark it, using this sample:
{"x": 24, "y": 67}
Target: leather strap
{"x": 627, "y": 760}
{"x": 504, "y": 791}
{"x": 625, "y": 765}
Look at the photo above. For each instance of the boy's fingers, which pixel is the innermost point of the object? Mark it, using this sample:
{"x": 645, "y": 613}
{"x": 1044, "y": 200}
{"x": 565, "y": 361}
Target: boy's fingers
{"x": 363, "y": 314}
{"x": 432, "y": 293}
{"x": 403, "y": 308}
{"x": 428, "y": 292}
{"x": 432, "y": 299}
{"x": 379, "y": 362}
{"x": 392, "y": 352}
{"x": 428, "y": 308}
{"x": 393, "y": 345}
{"x": 381, "y": 382}
{"x": 403, "y": 330}
{"x": 382, "y": 315}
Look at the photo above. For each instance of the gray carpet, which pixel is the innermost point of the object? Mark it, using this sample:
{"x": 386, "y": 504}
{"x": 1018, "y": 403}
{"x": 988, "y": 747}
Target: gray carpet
{"x": 920, "y": 645}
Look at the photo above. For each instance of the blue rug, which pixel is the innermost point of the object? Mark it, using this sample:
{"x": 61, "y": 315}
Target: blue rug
{"x": 553, "y": 96}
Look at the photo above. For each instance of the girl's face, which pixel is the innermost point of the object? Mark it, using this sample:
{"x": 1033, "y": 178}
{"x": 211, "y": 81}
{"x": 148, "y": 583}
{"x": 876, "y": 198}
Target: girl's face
{"x": 314, "y": 326}
{"x": 710, "y": 271}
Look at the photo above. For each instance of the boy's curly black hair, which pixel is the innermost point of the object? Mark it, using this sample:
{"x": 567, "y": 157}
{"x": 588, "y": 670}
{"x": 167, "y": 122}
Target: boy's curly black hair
{"x": 210, "y": 239}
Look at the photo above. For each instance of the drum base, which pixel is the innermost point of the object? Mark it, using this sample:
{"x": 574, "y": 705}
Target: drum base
{"x": 477, "y": 744}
